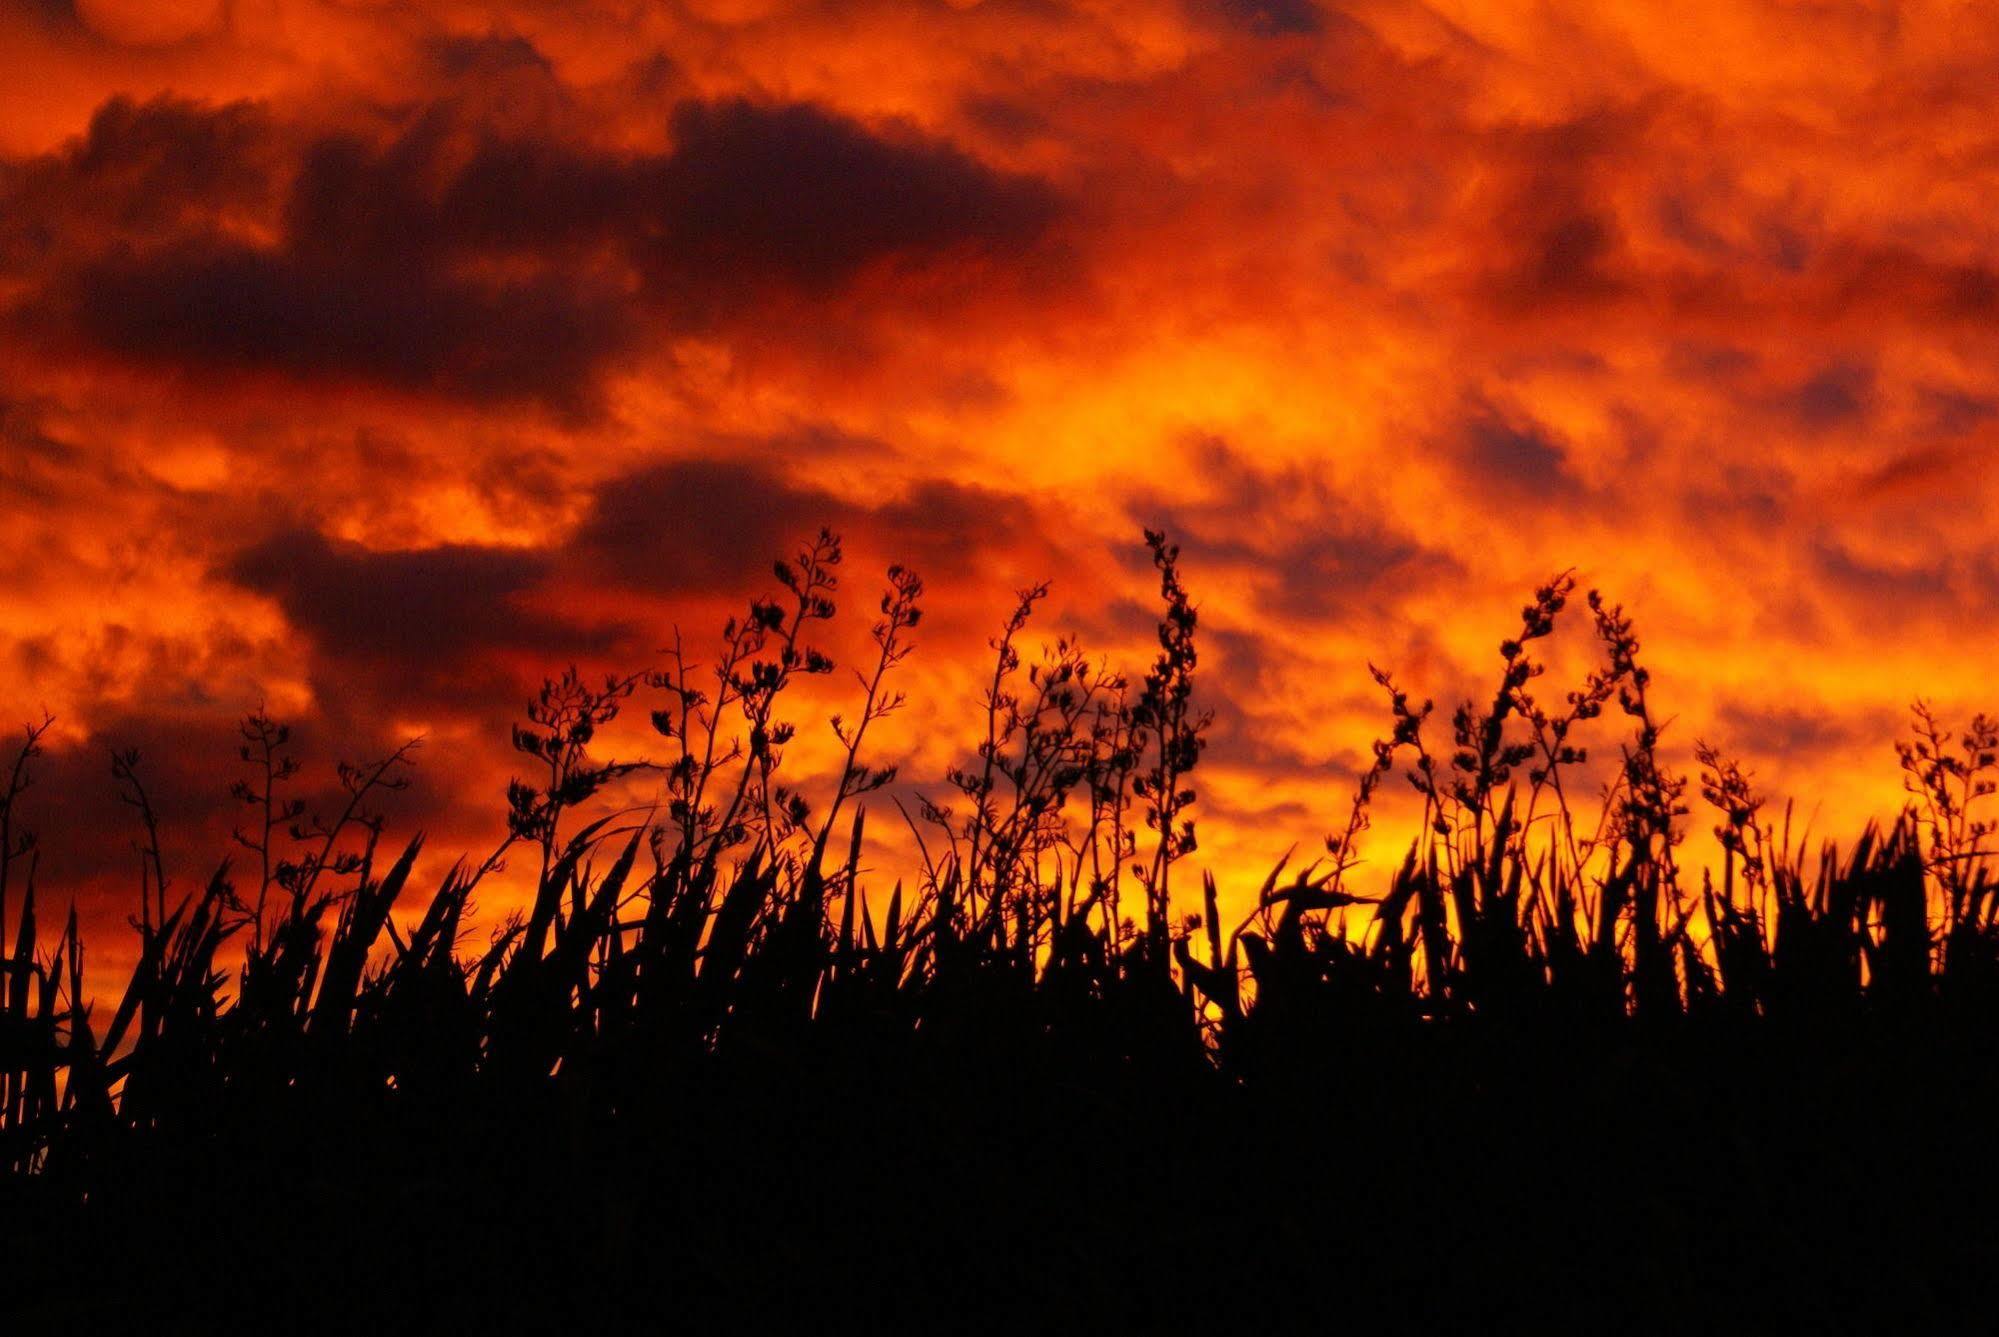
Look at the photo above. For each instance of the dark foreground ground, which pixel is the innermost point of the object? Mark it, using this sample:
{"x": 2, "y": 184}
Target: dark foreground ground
{"x": 1677, "y": 1179}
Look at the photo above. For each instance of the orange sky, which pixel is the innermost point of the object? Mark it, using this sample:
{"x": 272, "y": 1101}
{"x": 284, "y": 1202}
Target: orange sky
{"x": 372, "y": 359}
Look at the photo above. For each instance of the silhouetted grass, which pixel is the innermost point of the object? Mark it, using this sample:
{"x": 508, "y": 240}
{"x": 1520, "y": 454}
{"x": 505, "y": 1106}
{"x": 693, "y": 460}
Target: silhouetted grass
{"x": 1538, "y": 1072}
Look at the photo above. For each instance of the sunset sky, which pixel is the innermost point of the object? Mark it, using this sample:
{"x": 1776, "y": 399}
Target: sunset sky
{"x": 372, "y": 360}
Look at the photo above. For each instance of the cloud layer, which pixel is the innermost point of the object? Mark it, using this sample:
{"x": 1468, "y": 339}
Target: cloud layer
{"x": 370, "y": 361}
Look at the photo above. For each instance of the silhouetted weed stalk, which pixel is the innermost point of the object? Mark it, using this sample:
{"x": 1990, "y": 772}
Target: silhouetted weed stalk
{"x": 730, "y": 919}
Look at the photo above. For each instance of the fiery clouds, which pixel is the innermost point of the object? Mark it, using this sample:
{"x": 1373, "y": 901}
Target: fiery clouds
{"x": 372, "y": 359}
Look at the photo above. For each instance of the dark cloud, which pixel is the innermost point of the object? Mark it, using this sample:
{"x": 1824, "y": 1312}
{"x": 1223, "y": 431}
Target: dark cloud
{"x": 951, "y": 529}
{"x": 704, "y": 524}
{"x": 1786, "y": 247}
{"x": 1554, "y": 239}
{"x": 1712, "y": 362}
{"x": 1877, "y": 587}
{"x": 36, "y": 469}
{"x": 1514, "y": 454}
{"x": 1351, "y": 564}
{"x": 412, "y": 609}
{"x": 1838, "y": 395}
{"x": 458, "y": 259}
{"x": 1680, "y": 220}
{"x": 132, "y": 243}
{"x": 1740, "y": 493}
{"x": 1008, "y": 119}
{"x": 441, "y": 190}
{"x": 1724, "y": 224}
{"x": 1954, "y": 412}
{"x": 60, "y": 14}
{"x": 1276, "y": 18}
{"x": 249, "y": 309}
{"x": 1888, "y": 282}
{"x": 693, "y": 524}
{"x": 1910, "y": 592}
{"x": 747, "y": 193}
{"x": 140, "y": 169}
{"x": 799, "y": 194}
{"x": 1791, "y": 730}
{"x": 1327, "y": 558}
{"x": 462, "y": 55}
